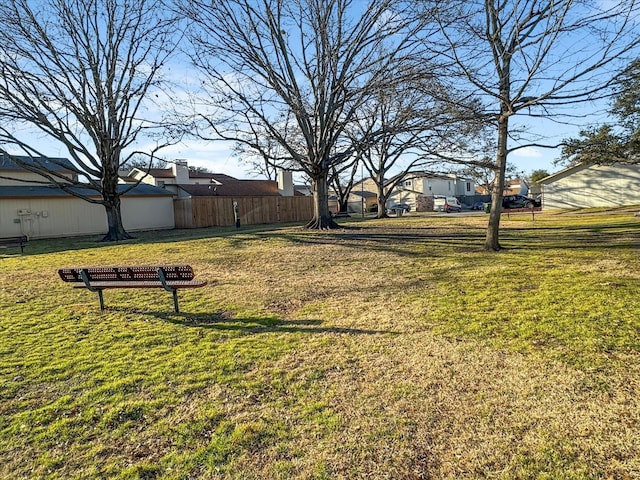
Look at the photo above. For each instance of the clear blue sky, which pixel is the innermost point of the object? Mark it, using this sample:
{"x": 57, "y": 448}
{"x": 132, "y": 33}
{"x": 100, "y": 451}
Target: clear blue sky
{"x": 218, "y": 157}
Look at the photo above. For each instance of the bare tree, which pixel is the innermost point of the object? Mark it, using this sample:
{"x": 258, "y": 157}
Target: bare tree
{"x": 407, "y": 126}
{"x": 484, "y": 176}
{"x": 80, "y": 74}
{"x": 264, "y": 154}
{"x": 297, "y": 70}
{"x": 533, "y": 57}
{"x": 342, "y": 178}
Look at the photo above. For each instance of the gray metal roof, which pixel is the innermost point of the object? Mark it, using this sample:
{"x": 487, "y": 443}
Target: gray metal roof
{"x": 32, "y": 191}
{"x": 50, "y": 163}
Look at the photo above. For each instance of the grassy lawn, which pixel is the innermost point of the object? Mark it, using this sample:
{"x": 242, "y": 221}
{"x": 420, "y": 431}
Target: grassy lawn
{"x": 394, "y": 349}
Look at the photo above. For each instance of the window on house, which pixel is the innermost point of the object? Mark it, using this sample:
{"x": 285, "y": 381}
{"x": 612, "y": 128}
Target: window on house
{"x": 468, "y": 186}
{"x": 407, "y": 183}
{"x": 449, "y": 182}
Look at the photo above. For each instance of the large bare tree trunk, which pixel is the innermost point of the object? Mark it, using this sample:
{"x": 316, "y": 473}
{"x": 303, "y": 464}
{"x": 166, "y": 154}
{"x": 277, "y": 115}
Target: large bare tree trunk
{"x": 111, "y": 201}
{"x": 382, "y": 200}
{"x": 116, "y": 229}
{"x": 322, "y": 219}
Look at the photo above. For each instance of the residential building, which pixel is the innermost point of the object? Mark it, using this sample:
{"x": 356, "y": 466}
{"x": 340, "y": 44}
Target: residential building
{"x": 588, "y": 185}
{"x": 416, "y": 189}
{"x": 184, "y": 182}
{"x": 31, "y": 205}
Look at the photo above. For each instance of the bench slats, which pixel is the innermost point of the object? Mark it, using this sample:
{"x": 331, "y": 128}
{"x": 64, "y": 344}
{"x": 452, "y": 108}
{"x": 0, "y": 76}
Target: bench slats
{"x": 97, "y": 279}
{"x": 144, "y": 284}
{"x": 136, "y": 273}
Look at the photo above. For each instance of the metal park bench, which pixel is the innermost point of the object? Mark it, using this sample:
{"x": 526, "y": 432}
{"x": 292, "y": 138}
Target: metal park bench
{"x": 96, "y": 279}
{"x": 19, "y": 241}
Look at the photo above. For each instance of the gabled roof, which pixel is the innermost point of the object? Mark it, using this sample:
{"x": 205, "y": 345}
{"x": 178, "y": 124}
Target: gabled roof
{"x": 218, "y": 177}
{"x": 158, "y": 172}
{"x": 564, "y": 173}
{"x": 364, "y": 194}
{"x": 50, "y": 163}
{"x": 33, "y": 191}
{"x": 168, "y": 173}
{"x": 233, "y": 187}
{"x": 584, "y": 166}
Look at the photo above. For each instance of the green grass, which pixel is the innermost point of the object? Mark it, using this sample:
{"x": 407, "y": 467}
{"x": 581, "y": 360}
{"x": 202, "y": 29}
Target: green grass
{"x": 394, "y": 348}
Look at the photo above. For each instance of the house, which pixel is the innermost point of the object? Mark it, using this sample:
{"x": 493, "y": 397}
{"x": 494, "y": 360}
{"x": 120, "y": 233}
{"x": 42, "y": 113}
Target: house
{"x": 588, "y": 185}
{"x": 184, "y": 182}
{"x": 361, "y": 200}
{"x": 416, "y": 189}
{"x": 425, "y": 183}
{"x": 31, "y": 205}
{"x": 516, "y": 186}
{"x": 178, "y": 173}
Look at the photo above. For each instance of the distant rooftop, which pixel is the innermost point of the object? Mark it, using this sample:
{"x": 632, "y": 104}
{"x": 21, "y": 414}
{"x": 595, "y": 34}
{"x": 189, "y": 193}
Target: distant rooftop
{"x": 30, "y": 191}
{"x": 235, "y": 187}
{"x": 50, "y": 163}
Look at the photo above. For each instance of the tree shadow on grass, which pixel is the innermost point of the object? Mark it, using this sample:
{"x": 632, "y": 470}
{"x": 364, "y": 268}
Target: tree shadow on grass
{"x": 397, "y": 238}
{"x": 61, "y": 244}
{"x": 402, "y": 241}
{"x": 223, "y": 320}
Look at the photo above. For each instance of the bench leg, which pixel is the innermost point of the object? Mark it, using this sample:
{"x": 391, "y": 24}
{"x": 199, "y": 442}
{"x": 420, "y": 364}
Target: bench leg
{"x": 101, "y": 299}
{"x": 175, "y": 301}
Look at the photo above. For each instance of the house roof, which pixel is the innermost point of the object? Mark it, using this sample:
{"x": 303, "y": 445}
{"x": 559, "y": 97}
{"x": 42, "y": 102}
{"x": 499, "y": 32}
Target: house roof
{"x": 168, "y": 173}
{"x": 365, "y": 194}
{"x": 218, "y": 177}
{"x": 159, "y": 172}
{"x": 248, "y": 188}
{"x": 50, "y": 163}
{"x": 41, "y": 191}
{"x": 564, "y": 173}
{"x": 583, "y": 166}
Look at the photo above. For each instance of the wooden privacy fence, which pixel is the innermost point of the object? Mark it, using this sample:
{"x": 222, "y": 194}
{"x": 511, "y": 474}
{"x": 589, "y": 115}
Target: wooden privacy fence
{"x": 198, "y": 212}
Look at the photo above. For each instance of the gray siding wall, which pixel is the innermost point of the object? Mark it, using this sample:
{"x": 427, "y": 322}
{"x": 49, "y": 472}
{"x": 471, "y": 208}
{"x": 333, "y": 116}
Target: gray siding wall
{"x": 69, "y": 216}
{"x": 594, "y": 186}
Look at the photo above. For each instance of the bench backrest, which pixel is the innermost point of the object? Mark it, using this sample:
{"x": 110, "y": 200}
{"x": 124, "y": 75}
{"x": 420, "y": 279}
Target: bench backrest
{"x": 14, "y": 240}
{"x": 137, "y": 273}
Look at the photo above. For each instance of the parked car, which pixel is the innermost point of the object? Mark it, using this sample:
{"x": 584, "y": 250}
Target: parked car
{"x": 446, "y": 204}
{"x": 399, "y": 208}
{"x": 477, "y": 206}
{"x": 519, "y": 201}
